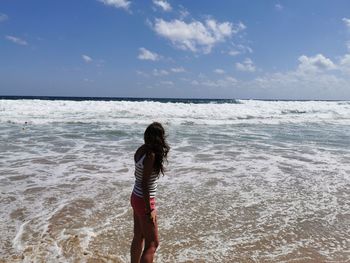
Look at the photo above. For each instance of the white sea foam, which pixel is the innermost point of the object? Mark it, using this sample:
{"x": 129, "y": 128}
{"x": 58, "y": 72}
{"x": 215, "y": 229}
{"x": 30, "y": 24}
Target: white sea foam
{"x": 17, "y": 241}
{"x": 41, "y": 111}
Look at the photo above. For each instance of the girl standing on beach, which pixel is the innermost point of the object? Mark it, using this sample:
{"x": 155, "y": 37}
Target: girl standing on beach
{"x": 149, "y": 159}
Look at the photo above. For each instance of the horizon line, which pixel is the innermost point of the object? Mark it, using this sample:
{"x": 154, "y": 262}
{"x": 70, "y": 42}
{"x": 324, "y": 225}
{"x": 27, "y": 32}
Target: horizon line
{"x": 111, "y": 98}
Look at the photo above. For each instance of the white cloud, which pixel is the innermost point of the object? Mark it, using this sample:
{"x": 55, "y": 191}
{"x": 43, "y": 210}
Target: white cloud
{"x": 178, "y": 70}
{"x": 316, "y": 77}
{"x": 141, "y": 73}
{"x": 3, "y": 17}
{"x": 160, "y": 72}
{"x": 327, "y": 79}
{"x": 234, "y": 52}
{"x": 16, "y": 40}
{"x": 219, "y": 71}
{"x": 167, "y": 82}
{"x": 230, "y": 80}
{"x": 117, "y": 3}
{"x": 218, "y": 83}
{"x": 246, "y": 65}
{"x": 86, "y": 58}
{"x": 202, "y": 75}
{"x": 163, "y": 4}
{"x": 348, "y": 44}
{"x": 345, "y": 60}
{"x": 145, "y": 54}
{"x": 183, "y": 12}
{"x": 316, "y": 63}
{"x": 344, "y": 64}
{"x": 346, "y": 22}
{"x": 240, "y": 49}
{"x": 278, "y": 7}
{"x": 297, "y": 85}
{"x": 100, "y": 63}
{"x": 196, "y": 36}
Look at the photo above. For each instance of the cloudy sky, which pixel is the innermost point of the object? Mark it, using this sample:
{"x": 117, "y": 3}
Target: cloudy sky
{"x": 166, "y": 48}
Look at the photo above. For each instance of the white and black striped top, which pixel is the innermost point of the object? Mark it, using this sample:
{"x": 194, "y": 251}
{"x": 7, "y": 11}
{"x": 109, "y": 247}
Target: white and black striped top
{"x": 152, "y": 183}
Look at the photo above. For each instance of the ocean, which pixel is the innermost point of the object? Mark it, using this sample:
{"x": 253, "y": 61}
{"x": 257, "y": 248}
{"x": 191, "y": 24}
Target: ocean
{"x": 247, "y": 180}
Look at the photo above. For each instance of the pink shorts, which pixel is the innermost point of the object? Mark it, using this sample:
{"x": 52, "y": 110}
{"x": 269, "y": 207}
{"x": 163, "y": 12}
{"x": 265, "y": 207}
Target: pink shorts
{"x": 138, "y": 204}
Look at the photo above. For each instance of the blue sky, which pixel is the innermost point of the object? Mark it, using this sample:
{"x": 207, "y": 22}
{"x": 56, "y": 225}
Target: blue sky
{"x": 166, "y": 48}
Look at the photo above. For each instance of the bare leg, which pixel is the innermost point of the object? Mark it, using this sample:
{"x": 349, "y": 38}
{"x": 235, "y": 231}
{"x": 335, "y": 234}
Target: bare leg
{"x": 150, "y": 233}
{"x": 137, "y": 241}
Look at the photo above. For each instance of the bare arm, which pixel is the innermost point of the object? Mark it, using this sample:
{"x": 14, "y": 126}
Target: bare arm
{"x": 147, "y": 171}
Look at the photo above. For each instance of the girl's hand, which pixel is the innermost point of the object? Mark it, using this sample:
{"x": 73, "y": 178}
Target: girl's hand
{"x": 153, "y": 217}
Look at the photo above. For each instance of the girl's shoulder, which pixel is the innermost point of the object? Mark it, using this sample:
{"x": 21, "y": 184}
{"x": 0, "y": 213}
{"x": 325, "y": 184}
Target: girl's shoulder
{"x": 141, "y": 151}
{"x": 138, "y": 154}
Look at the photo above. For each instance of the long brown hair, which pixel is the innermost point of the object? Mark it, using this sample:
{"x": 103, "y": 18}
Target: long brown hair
{"x": 155, "y": 139}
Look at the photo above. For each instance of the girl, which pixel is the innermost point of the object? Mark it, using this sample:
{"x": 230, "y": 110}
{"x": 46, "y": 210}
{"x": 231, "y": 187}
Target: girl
{"x": 149, "y": 159}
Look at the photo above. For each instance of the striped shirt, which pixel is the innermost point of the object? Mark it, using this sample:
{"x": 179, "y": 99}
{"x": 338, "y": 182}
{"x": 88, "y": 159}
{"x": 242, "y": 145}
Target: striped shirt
{"x": 152, "y": 182}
